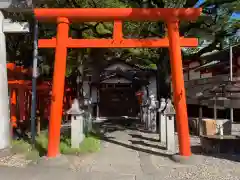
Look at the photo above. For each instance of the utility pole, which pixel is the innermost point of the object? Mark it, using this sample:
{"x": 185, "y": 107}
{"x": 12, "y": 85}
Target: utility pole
{"x": 34, "y": 83}
{"x": 231, "y": 68}
{"x": 231, "y": 76}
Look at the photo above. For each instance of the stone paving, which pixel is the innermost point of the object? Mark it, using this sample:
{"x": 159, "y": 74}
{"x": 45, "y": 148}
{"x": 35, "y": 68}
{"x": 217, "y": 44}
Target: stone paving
{"x": 133, "y": 155}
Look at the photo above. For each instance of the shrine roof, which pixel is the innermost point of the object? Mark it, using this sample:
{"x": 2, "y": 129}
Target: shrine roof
{"x": 222, "y": 55}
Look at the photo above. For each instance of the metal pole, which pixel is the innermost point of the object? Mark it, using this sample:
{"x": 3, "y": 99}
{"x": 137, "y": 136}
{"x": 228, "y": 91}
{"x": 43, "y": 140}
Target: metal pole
{"x": 200, "y": 119}
{"x": 231, "y": 78}
{"x": 231, "y": 65}
{"x": 34, "y": 83}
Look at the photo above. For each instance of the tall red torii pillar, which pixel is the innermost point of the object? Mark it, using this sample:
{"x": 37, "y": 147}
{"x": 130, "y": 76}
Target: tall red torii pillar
{"x": 64, "y": 16}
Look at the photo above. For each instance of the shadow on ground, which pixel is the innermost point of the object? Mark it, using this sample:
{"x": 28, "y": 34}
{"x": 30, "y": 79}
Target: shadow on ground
{"x": 122, "y": 125}
{"x": 199, "y": 151}
{"x": 110, "y": 126}
{"x": 137, "y": 136}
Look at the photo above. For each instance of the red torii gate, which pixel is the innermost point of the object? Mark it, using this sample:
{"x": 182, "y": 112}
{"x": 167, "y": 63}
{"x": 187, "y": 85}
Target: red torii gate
{"x": 64, "y": 16}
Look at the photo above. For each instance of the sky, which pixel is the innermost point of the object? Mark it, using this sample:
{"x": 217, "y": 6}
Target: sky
{"x": 234, "y": 15}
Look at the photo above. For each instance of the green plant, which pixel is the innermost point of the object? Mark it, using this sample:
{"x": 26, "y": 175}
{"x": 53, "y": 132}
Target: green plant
{"x": 20, "y": 146}
{"x": 33, "y": 155}
{"x": 90, "y": 144}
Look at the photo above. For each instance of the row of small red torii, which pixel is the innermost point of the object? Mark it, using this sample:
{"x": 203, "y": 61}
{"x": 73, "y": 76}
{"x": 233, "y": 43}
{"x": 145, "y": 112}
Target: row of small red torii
{"x": 64, "y": 16}
{"x": 20, "y": 96}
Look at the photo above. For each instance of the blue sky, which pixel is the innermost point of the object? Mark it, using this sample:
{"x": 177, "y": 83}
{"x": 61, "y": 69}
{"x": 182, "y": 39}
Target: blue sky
{"x": 234, "y": 15}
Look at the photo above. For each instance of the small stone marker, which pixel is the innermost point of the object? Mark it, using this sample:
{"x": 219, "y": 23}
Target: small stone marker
{"x": 162, "y": 121}
{"x": 77, "y": 132}
{"x": 88, "y": 115}
{"x": 145, "y": 115}
{"x": 170, "y": 118}
{"x": 152, "y": 119}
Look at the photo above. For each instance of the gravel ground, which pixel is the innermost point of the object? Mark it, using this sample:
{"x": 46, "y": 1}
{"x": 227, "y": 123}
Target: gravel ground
{"x": 204, "y": 167}
{"x": 15, "y": 160}
{"x": 210, "y": 169}
{"x": 149, "y": 159}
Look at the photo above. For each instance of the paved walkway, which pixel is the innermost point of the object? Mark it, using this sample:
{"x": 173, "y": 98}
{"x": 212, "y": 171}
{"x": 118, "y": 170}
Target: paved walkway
{"x": 118, "y": 160}
{"x": 132, "y": 155}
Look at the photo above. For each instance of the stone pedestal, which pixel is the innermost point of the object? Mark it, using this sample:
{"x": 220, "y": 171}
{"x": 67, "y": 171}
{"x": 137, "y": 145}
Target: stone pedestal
{"x": 170, "y": 141}
{"x": 167, "y": 128}
{"x": 220, "y": 144}
{"x": 162, "y": 128}
{"x": 77, "y": 134}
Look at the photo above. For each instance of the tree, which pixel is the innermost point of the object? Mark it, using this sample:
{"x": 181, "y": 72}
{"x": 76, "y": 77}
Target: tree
{"x": 213, "y": 25}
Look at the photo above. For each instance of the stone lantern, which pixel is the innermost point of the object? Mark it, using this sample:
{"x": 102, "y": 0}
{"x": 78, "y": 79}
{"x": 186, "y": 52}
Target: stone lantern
{"x": 169, "y": 113}
{"x": 77, "y": 124}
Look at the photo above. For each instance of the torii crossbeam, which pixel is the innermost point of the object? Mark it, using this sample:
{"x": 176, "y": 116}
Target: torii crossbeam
{"x": 63, "y": 17}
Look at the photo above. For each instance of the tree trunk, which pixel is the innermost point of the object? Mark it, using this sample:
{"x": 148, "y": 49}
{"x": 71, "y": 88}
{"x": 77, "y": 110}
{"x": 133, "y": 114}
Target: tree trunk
{"x": 80, "y": 78}
{"x": 163, "y": 69}
{"x": 163, "y": 75}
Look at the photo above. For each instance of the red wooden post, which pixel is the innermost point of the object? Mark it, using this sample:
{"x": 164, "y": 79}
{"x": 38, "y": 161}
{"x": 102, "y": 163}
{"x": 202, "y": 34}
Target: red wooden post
{"x": 140, "y": 97}
{"x": 58, "y": 87}
{"x": 178, "y": 88}
{"x": 29, "y": 101}
{"x": 13, "y": 111}
{"x": 22, "y": 99}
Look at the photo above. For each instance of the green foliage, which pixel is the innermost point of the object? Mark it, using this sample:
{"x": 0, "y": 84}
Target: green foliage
{"x": 23, "y": 147}
{"x": 89, "y": 145}
{"x": 20, "y": 146}
{"x": 213, "y": 25}
{"x": 42, "y": 141}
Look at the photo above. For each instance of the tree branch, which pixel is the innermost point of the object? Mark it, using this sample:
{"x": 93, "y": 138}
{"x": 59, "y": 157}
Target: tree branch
{"x": 209, "y": 48}
{"x": 94, "y": 4}
{"x": 159, "y": 3}
{"x": 73, "y": 4}
{"x": 190, "y": 3}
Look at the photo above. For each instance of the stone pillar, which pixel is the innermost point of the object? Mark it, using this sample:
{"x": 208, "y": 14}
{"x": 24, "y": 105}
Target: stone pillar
{"x": 4, "y": 102}
{"x": 170, "y": 133}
